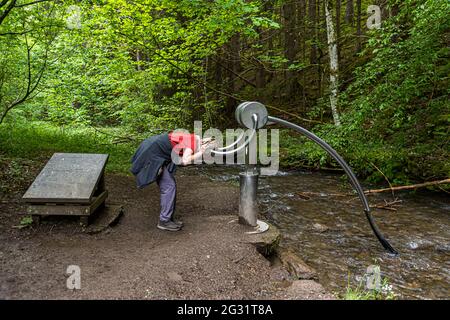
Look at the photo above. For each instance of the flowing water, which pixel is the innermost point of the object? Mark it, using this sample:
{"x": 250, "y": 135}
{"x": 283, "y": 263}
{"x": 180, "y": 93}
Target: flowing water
{"x": 331, "y": 233}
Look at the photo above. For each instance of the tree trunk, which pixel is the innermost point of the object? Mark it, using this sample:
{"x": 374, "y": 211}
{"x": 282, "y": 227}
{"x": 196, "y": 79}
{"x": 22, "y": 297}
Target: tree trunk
{"x": 218, "y": 74}
{"x": 358, "y": 26}
{"x": 321, "y": 38}
{"x": 334, "y": 63}
{"x": 313, "y": 27}
{"x": 234, "y": 60}
{"x": 301, "y": 16}
{"x": 138, "y": 60}
{"x": 394, "y": 10}
{"x": 290, "y": 45}
{"x": 383, "y": 6}
{"x": 260, "y": 77}
{"x": 349, "y": 12}
{"x": 338, "y": 26}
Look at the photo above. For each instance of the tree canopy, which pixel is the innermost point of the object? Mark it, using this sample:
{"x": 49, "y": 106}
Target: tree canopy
{"x": 147, "y": 66}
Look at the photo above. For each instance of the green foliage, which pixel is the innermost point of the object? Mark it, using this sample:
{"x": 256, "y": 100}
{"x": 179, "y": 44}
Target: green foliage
{"x": 361, "y": 294}
{"x": 26, "y": 222}
{"x": 398, "y": 107}
{"x": 396, "y": 112}
{"x": 142, "y": 67}
{"x": 385, "y": 292}
{"x": 29, "y": 140}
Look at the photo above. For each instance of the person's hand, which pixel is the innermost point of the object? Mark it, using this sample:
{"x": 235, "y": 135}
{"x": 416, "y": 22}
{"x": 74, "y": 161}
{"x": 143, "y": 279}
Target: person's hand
{"x": 210, "y": 145}
{"x": 203, "y": 148}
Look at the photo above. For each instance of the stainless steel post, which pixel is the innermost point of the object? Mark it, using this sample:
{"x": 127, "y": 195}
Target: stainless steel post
{"x": 248, "y": 206}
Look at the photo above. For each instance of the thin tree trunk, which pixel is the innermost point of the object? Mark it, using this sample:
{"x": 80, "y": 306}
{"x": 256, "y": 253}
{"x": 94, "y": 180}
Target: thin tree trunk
{"x": 260, "y": 78}
{"x": 349, "y": 12}
{"x": 313, "y": 37}
{"x": 338, "y": 26}
{"x": 235, "y": 68}
{"x": 383, "y": 7}
{"x": 321, "y": 38}
{"x": 218, "y": 74}
{"x": 290, "y": 44}
{"x": 302, "y": 22}
{"x": 394, "y": 10}
{"x": 334, "y": 63}
{"x": 138, "y": 60}
{"x": 358, "y": 26}
{"x": 312, "y": 24}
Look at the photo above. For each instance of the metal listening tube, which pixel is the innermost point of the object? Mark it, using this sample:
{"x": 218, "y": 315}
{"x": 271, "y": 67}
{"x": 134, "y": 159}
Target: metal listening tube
{"x": 354, "y": 181}
{"x": 246, "y": 143}
{"x": 234, "y": 143}
{"x": 245, "y": 113}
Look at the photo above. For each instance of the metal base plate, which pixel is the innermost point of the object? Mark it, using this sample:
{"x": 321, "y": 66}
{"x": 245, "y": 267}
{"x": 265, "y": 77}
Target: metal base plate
{"x": 260, "y": 227}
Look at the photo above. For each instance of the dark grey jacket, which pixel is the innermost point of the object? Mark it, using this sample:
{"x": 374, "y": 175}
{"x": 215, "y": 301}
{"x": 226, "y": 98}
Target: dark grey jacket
{"x": 152, "y": 154}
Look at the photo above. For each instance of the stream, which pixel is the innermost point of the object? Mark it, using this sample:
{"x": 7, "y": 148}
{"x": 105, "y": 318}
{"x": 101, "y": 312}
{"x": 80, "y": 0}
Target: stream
{"x": 332, "y": 235}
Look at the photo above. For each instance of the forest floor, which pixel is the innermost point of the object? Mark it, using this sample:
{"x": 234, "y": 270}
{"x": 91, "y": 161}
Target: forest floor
{"x": 208, "y": 259}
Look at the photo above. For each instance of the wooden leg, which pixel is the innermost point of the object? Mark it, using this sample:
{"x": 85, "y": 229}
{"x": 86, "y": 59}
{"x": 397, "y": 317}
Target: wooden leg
{"x": 84, "y": 221}
{"x": 36, "y": 220}
{"x": 101, "y": 183}
{"x": 102, "y": 205}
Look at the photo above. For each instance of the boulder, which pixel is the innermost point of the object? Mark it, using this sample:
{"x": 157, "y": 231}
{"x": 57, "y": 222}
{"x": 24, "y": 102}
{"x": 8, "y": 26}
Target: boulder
{"x": 295, "y": 265}
{"x": 267, "y": 242}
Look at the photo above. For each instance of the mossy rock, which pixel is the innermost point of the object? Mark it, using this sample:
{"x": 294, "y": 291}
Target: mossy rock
{"x": 267, "y": 242}
{"x": 295, "y": 265}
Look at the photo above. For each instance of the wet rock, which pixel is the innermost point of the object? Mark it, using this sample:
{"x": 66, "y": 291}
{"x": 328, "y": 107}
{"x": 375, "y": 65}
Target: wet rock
{"x": 413, "y": 245}
{"x": 295, "y": 265}
{"x": 320, "y": 227}
{"x": 420, "y": 245}
{"x": 443, "y": 248}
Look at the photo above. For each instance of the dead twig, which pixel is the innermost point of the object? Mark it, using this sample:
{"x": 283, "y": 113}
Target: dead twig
{"x": 409, "y": 187}
{"x": 385, "y": 178}
{"x": 387, "y": 205}
{"x": 306, "y": 194}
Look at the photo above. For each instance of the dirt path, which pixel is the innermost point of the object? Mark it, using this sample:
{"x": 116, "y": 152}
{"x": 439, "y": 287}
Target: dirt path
{"x": 208, "y": 259}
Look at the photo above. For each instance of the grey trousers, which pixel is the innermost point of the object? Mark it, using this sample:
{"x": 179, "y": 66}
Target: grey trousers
{"x": 168, "y": 189}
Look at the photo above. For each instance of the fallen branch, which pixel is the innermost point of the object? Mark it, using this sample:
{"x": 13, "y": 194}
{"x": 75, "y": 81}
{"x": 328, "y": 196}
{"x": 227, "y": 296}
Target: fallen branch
{"x": 387, "y": 205}
{"x": 409, "y": 187}
{"x": 306, "y": 194}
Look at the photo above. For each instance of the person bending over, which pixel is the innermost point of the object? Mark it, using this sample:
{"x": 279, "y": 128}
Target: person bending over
{"x": 155, "y": 160}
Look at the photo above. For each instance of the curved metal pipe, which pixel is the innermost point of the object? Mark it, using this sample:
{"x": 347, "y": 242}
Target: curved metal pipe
{"x": 354, "y": 181}
{"x": 234, "y": 143}
{"x": 246, "y": 143}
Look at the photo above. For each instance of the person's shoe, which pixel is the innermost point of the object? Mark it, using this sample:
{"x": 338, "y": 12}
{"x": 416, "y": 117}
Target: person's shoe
{"x": 178, "y": 222}
{"x": 168, "y": 226}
